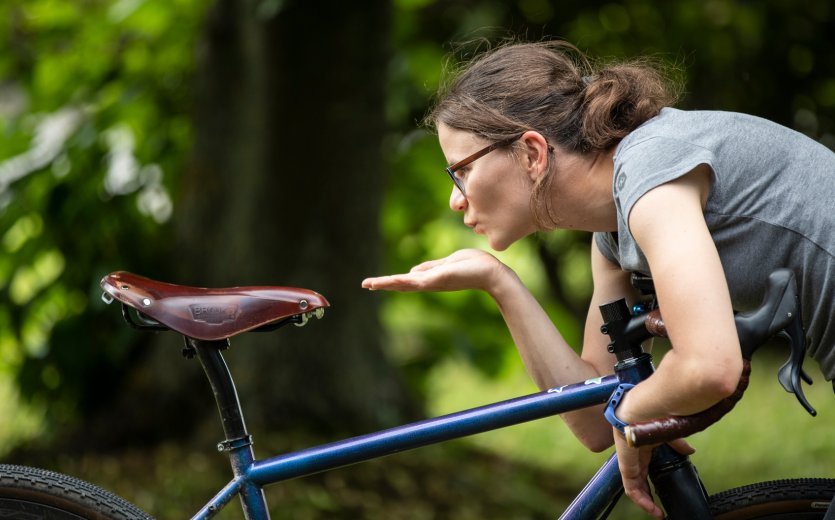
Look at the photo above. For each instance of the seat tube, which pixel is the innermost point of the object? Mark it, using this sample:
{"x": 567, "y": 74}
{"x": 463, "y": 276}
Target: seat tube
{"x": 238, "y": 442}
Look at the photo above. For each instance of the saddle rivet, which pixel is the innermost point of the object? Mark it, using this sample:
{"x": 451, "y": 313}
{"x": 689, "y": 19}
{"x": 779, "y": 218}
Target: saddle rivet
{"x": 125, "y": 287}
{"x": 146, "y": 302}
{"x": 303, "y": 304}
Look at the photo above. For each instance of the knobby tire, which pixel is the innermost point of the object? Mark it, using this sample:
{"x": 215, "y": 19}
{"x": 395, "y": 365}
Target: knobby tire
{"x": 35, "y": 494}
{"x": 805, "y": 498}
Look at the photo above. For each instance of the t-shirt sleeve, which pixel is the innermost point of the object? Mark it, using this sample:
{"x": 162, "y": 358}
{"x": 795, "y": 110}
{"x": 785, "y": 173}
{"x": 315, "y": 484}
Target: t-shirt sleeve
{"x": 607, "y": 245}
{"x": 652, "y": 162}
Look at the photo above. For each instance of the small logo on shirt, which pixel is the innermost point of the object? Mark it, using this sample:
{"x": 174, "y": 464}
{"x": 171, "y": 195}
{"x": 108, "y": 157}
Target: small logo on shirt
{"x": 621, "y": 180}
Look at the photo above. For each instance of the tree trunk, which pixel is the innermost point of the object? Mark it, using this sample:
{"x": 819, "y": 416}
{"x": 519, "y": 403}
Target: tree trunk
{"x": 286, "y": 190}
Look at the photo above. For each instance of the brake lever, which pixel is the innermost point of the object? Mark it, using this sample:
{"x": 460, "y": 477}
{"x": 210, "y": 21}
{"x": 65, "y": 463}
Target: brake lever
{"x": 791, "y": 373}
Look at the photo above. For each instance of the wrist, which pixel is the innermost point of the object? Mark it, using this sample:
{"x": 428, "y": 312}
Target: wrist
{"x": 501, "y": 282}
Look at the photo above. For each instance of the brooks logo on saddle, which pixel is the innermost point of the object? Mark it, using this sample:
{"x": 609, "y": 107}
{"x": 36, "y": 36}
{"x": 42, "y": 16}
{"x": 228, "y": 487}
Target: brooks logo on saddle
{"x": 214, "y": 314}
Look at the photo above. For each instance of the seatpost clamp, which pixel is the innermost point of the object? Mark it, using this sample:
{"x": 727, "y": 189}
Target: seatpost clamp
{"x": 234, "y": 444}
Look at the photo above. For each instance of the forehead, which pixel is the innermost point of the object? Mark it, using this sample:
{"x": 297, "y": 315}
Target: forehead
{"x": 457, "y": 144}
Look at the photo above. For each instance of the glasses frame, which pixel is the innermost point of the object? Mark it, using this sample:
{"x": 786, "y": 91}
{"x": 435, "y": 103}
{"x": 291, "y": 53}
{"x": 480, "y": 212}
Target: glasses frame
{"x": 450, "y": 170}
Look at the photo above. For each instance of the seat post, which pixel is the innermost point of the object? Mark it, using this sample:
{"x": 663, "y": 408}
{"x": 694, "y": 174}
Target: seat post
{"x": 226, "y": 396}
{"x": 238, "y": 443}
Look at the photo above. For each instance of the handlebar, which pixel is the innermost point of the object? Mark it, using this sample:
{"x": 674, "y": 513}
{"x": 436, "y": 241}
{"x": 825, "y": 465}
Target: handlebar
{"x": 777, "y": 315}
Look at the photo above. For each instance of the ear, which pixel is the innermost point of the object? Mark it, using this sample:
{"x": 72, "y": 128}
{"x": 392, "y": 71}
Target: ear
{"x": 535, "y": 155}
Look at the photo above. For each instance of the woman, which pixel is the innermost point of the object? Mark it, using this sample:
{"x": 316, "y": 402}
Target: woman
{"x": 707, "y": 203}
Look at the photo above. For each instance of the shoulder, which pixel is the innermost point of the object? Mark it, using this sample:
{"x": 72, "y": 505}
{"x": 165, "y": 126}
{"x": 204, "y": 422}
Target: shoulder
{"x": 651, "y": 159}
{"x": 668, "y": 222}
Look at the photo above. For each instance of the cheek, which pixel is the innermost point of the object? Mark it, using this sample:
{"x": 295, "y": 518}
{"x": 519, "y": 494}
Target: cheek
{"x": 489, "y": 186}
{"x": 500, "y": 189}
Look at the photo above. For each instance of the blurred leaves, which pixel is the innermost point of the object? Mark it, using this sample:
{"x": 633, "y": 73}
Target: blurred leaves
{"x": 95, "y": 127}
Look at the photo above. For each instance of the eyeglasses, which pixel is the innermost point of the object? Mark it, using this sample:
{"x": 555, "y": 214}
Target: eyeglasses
{"x": 459, "y": 182}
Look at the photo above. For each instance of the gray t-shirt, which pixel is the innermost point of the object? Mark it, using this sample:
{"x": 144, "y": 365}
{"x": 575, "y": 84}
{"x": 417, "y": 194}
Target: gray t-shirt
{"x": 770, "y": 206}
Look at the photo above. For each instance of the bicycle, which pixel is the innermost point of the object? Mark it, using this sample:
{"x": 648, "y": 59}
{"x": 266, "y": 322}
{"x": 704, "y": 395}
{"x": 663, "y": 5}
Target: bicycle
{"x": 208, "y": 318}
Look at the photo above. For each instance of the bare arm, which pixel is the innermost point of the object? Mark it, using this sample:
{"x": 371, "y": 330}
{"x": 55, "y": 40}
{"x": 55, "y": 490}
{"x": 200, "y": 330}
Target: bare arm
{"x": 705, "y": 363}
{"x": 549, "y": 359}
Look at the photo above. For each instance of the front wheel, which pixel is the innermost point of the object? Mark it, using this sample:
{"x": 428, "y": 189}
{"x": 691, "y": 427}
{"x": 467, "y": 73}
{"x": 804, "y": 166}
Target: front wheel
{"x": 36, "y": 494}
{"x": 775, "y": 500}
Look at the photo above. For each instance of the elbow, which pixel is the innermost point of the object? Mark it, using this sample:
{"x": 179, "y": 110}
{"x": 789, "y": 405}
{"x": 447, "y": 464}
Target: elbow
{"x": 720, "y": 380}
{"x": 590, "y": 428}
{"x": 598, "y": 445}
{"x": 598, "y": 440}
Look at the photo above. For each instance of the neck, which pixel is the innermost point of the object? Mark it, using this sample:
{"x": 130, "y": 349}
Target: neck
{"x": 601, "y": 174}
{"x": 582, "y": 192}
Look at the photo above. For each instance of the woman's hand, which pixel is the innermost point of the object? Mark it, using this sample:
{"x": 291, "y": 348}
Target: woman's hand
{"x": 464, "y": 269}
{"x": 634, "y": 466}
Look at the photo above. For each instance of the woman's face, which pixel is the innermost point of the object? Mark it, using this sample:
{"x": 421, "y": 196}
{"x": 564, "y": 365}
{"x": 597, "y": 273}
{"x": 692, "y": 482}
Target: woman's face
{"x": 498, "y": 189}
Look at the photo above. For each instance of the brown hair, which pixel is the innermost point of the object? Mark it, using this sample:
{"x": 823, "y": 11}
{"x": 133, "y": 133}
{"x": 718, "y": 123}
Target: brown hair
{"x": 554, "y": 89}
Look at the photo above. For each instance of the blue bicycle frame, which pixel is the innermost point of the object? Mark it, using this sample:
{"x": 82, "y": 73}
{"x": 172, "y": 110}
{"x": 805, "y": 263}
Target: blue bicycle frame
{"x": 251, "y": 475}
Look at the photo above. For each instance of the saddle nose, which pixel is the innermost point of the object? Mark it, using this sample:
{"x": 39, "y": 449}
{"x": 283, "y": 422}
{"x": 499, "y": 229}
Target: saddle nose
{"x": 210, "y": 314}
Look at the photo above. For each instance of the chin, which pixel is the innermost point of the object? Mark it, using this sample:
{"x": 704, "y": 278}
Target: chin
{"x": 502, "y": 242}
{"x": 497, "y": 244}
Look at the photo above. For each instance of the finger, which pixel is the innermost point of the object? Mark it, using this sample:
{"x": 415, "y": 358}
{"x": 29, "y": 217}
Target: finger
{"x": 389, "y": 283}
{"x": 375, "y": 282}
{"x": 643, "y": 499}
{"x": 633, "y": 471}
{"x": 425, "y": 266}
{"x": 682, "y": 446}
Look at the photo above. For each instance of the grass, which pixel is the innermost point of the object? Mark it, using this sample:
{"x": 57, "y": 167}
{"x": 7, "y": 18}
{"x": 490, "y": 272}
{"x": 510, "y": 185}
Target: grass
{"x": 529, "y": 471}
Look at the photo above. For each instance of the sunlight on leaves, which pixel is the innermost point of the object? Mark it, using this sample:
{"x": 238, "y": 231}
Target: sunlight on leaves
{"x": 29, "y": 280}
{"x": 26, "y": 228}
{"x": 43, "y": 314}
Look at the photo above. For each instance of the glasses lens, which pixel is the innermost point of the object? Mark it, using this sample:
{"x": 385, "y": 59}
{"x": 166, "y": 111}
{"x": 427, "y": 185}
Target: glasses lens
{"x": 455, "y": 180}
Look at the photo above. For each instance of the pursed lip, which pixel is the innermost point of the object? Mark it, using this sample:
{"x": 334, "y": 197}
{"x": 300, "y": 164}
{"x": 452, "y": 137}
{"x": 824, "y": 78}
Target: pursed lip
{"x": 473, "y": 226}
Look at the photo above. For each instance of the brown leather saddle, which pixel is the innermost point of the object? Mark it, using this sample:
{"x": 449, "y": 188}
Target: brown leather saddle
{"x": 211, "y": 314}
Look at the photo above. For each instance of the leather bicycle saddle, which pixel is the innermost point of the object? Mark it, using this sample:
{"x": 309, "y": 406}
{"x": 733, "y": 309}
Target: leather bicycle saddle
{"x": 211, "y": 314}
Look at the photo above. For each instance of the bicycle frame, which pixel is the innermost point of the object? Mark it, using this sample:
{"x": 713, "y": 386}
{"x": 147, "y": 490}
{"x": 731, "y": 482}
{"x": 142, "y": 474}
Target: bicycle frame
{"x": 251, "y": 475}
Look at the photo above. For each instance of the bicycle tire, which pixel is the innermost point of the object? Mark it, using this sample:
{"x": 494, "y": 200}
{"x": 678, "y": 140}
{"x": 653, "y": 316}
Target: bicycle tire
{"x": 804, "y": 498}
{"x": 36, "y": 494}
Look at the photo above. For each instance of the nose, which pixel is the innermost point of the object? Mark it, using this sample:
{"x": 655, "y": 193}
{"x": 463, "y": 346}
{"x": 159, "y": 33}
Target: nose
{"x": 457, "y": 200}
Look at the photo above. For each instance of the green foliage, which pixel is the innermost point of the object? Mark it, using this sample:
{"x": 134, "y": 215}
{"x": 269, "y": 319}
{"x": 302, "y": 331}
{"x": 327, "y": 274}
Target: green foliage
{"x": 95, "y": 126}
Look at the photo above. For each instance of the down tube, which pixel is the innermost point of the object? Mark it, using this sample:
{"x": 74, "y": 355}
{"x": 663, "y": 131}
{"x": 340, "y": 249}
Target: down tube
{"x": 447, "y": 427}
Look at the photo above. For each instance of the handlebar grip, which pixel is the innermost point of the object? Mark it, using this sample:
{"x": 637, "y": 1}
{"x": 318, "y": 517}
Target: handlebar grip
{"x": 655, "y": 324}
{"x": 676, "y": 427}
